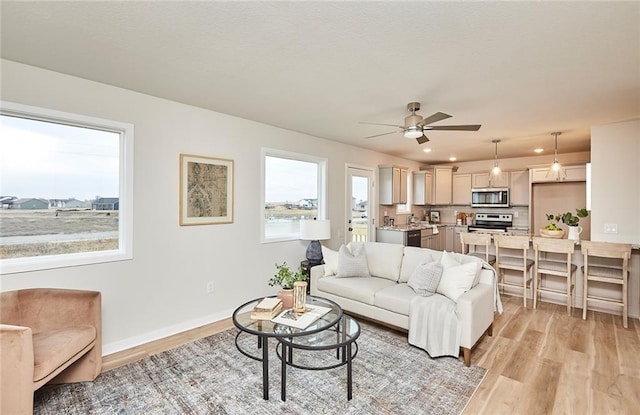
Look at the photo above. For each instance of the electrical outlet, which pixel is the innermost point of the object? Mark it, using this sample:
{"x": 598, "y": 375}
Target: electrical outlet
{"x": 515, "y": 214}
{"x": 610, "y": 228}
{"x": 209, "y": 287}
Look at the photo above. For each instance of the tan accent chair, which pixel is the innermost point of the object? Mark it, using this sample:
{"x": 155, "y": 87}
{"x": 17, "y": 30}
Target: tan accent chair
{"x": 606, "y": 262}
{"x": 476, "y": 239}
{"x": 511, "y": 254}
{"x": 47, "y": 335}
{"x": 553, "y": 257}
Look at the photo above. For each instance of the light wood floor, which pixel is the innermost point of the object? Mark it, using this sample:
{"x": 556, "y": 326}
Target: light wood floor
{"x": 544, "y": 361}
{"x": 539, "y": 361}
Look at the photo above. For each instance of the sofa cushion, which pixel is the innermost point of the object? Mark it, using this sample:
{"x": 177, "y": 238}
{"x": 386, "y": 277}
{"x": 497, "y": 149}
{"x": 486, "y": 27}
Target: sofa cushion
{"x": 456, "y": 280}
{"x": 414, "y": 256}
{"x": 357, "y": 289}
{"x": 425, "y": 278}
{"x": 396, "y": 298}
{"x": 330, "y": 258}
{"x": 51, "y": 349}
{"x": 454, "y": 258}
{"x": 352, "y": 262}
{"x": 384, "y": 259}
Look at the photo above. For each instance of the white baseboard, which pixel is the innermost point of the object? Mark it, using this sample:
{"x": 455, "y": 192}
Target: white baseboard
{"x": 131, "y": 342}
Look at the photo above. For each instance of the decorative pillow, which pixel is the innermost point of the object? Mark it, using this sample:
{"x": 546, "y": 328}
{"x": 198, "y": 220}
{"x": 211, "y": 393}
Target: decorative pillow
{"x": 352, "y": 263}
{"x": 450, "y": 259}
{"x": 330, "y": 261}
{"x": 425, "y": 278}
{"x": 457, "y": 280}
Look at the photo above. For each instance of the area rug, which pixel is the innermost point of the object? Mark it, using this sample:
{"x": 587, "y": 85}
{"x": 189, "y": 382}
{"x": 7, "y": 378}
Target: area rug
{"x": 210, "y": 376}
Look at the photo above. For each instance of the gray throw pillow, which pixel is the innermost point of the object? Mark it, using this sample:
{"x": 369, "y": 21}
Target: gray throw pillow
{"x": 352, "y": 263}
{"x": 425, "y": 278}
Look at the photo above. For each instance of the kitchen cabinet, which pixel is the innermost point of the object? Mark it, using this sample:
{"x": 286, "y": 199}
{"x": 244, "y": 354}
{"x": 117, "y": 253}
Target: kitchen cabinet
{"x": 449, "y": 232}
{"x": 442, "y": 185}
{"x": 393, "y": 185}
{"x": 422, "y": 187}
{"x": 519, "y": 191}
{"x": 484, "y": 180}
{"x": 577, "y": 173}
{"x": 461, "y": 189}
{"x": 390, "y": 236}
{"x": 457, "y": 245}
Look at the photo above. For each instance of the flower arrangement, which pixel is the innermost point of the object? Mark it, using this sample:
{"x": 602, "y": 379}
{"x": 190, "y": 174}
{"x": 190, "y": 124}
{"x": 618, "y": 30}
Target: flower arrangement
{"x": 285, "y": 278}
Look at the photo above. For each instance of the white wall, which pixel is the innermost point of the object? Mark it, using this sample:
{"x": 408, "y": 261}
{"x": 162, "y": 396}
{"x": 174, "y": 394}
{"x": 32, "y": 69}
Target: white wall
{"x": 162, "y": 290}
{"x": 615, "y": 185}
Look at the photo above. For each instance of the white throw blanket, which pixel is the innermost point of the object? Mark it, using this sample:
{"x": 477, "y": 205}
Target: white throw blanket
{"x": 434, "y": 325}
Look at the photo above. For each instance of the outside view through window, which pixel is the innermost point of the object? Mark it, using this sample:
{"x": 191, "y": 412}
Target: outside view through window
{"x": 290, "y": 194}
{"x": 59, "y": 188}
{"x": 359, "y": 208}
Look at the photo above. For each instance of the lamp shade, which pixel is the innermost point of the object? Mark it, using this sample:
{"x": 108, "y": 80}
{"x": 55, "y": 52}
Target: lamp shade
{"x": 315, "y": 230}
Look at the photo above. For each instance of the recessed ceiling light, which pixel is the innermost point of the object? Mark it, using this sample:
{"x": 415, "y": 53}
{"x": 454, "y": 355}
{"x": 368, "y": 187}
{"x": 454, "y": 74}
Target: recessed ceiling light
{"x": 538, "y": 150}
{"x": 427, "y": 150}
{"x": 452, "y": 158}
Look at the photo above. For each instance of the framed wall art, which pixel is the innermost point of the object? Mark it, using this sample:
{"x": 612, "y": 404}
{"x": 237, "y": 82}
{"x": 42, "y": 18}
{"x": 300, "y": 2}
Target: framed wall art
{"x": 206, "y": 190}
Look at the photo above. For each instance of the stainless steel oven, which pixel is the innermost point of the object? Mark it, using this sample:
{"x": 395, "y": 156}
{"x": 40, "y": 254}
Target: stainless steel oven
{"x": 492, "y": 222}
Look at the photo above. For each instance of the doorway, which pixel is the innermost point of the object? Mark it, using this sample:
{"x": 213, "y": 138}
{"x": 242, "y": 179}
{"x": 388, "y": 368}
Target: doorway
{"x": 359, "y": 211}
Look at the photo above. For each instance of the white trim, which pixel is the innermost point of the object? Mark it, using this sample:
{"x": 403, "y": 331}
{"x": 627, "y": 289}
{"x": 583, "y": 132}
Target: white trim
{"x": 322, "y": 187}
{"x": 125, "y": 222}
{"x": 164, "y": 332}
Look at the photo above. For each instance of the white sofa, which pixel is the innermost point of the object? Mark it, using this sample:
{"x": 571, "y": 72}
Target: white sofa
{"x": 385, "y": 296}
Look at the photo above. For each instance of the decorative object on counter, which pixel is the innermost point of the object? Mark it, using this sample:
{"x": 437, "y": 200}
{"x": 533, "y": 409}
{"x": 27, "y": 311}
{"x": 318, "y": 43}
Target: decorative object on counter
{"x": 315, "y": 231}
{"x": 300, "y": 296}
{"x": 286, "y": 279}
{"x": 553, "y": 231}
{"x": 556, "y": 169}
{"x": 434, "y": 216}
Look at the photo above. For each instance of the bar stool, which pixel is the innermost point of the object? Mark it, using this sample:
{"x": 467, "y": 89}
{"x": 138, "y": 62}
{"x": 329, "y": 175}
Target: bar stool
{"x": 476, "y": 239}
{"x": 557, "y": 267}
{"x": 510, "y": 260}
{"x": 615, "y": 271}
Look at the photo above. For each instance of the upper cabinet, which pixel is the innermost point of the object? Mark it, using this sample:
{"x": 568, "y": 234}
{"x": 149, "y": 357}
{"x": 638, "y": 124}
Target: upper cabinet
{"x": 484, "y": 180}
{"x": 461, "y": 192}
{"x": 392, "y": 184}
{"x": 422, "y": 187}
{"x": 442, "y": 185}
{"x": 576, "y": 173}
{"x": 519, "y": 192}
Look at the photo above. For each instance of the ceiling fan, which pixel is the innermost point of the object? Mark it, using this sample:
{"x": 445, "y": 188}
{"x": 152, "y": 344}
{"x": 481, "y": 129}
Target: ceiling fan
{"x": 415, "y": 125}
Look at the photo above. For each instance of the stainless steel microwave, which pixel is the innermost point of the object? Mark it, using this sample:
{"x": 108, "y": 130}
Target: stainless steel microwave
{"x": 490, "y": 197}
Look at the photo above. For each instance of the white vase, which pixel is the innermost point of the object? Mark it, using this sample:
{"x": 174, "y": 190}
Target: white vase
{"x": 574, "y": 233}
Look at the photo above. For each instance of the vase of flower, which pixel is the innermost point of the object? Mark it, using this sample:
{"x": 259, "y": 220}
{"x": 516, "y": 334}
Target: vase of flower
{"x": 286, "y": 278}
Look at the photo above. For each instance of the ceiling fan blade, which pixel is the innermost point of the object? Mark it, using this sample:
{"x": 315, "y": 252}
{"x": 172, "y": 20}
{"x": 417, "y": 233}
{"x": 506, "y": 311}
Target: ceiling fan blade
{"x": 438, "y": 116}
{"x": 422, "y": 140}
{"x": 378, "y": 135}
{"x": 377, "y": 123}
{"x": 474, "y": 127}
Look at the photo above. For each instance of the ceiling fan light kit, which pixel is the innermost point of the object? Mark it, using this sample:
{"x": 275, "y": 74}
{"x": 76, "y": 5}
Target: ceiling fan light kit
{"x": 415, "y": 125}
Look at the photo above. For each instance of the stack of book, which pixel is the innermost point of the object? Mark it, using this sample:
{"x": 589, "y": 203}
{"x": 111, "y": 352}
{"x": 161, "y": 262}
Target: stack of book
{"x": 266, "y": 309}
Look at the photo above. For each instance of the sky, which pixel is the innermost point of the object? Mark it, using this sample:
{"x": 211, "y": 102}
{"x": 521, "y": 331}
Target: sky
{"x": 53, "y": 161}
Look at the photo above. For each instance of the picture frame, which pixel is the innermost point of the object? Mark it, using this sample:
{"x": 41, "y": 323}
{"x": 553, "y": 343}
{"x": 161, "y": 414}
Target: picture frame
{"x": 434, "y": 216}
{"x": 206, "y": 190}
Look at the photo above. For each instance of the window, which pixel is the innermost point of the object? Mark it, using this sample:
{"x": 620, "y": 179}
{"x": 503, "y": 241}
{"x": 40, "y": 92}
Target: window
{"x": 66, "y": 189}
{"x": 294, "y": 188}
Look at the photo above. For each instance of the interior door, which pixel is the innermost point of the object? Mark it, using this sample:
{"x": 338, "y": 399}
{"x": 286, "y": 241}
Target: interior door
{"x": 359, "y": 212}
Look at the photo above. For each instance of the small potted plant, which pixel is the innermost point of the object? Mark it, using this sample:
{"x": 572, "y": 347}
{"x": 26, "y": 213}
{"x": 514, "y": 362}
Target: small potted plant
{"x": 285, "y": 278}
{"x": 572, "y": 222}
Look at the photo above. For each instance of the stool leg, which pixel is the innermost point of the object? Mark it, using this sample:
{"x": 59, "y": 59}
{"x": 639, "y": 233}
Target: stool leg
{"x": 625, "y": 310}
{"x": 585, "y": 281}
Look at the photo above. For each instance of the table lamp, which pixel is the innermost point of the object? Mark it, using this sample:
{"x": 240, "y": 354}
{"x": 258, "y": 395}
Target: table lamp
{"x": 315, "y": 231}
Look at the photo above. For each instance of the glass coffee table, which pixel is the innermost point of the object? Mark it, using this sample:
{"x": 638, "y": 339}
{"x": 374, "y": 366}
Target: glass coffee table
{"x": 333, "y": 331}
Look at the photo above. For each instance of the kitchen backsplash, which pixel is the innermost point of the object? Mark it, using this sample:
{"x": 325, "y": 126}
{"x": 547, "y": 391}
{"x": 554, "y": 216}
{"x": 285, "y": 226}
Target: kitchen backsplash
{"x": 448, "y": 214}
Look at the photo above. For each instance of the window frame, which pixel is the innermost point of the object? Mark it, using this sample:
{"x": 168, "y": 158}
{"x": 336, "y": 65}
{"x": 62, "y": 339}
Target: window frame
{"x": 125, "y": 215}
{"x": 322, "y": 187}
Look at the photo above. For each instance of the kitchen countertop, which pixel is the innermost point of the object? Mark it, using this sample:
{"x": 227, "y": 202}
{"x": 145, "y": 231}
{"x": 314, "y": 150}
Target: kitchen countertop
{"x": 404, "y": 228}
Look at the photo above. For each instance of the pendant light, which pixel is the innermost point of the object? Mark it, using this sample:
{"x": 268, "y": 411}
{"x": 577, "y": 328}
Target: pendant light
{"x": 495, "y": 171}
{"x": 556, "y": 169}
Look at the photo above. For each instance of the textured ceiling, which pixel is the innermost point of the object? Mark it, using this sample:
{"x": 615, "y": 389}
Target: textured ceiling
{"x": 522, "y": 70}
